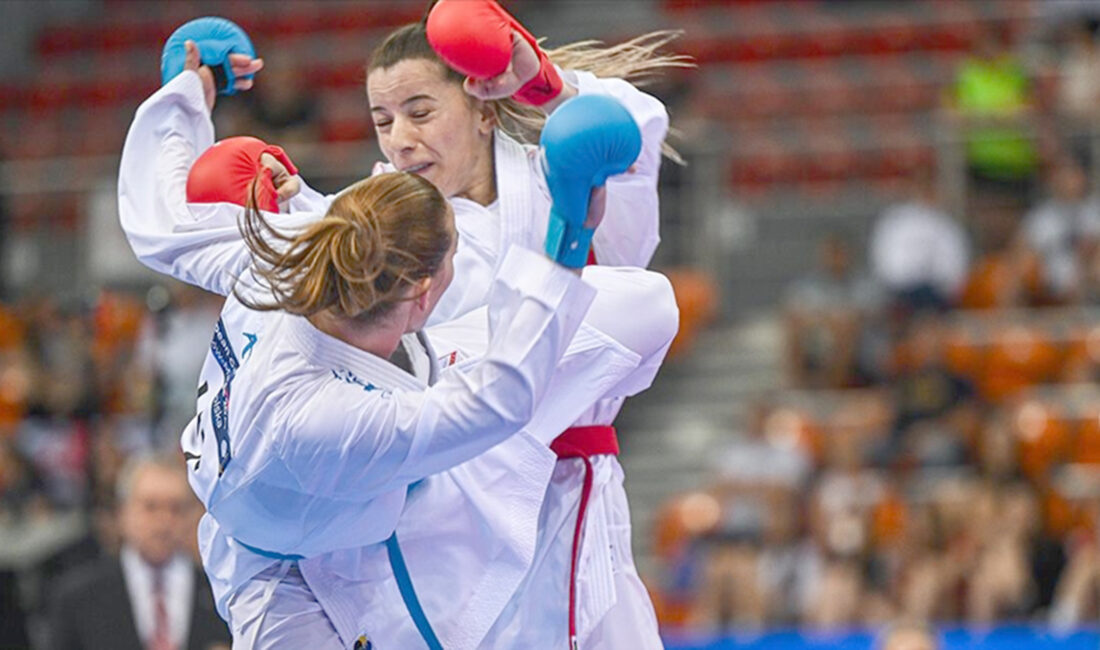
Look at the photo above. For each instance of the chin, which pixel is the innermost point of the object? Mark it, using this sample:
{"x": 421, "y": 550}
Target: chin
{"x": 435, "y": 180}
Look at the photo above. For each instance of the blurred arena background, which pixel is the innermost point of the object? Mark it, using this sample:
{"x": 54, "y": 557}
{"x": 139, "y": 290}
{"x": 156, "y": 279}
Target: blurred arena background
{"x": 882, "y": 408}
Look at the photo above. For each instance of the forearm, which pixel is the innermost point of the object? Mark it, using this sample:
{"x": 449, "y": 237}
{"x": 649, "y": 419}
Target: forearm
{"x": 378, "y": 442}
{"x": 630, "y": 231}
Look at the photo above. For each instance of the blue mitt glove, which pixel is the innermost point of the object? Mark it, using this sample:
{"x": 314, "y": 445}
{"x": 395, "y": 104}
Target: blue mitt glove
{"x": 216, "y": 38}
{"x": 587, "y": 139}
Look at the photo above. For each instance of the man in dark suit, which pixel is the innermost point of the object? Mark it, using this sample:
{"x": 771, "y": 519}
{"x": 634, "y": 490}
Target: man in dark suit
{"x": 152, "y": 596}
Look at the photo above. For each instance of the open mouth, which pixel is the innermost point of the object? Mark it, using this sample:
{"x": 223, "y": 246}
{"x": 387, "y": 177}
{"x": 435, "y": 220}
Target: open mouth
{"x": 416, "y": 169}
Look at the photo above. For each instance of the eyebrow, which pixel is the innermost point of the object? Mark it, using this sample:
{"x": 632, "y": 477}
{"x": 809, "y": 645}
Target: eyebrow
{"x": 410, "y": 100}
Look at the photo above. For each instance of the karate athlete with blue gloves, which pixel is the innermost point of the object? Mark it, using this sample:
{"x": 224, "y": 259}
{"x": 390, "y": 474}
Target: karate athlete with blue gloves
{"x": 309, "y": 576}
{"x": 447, "y": 127}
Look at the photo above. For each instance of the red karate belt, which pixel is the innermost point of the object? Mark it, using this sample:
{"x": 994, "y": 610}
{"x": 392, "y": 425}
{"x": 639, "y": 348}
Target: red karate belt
{"x": 583, "y": 443}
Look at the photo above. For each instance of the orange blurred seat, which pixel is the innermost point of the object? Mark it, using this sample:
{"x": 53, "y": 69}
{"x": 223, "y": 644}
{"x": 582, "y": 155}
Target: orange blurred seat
{"x": 1019, "y": 357}
{"x": 1086, "y": 446}
{"x": 11, "y": 329}
{"x": 1059, "y": 515}
{"x": 1045, "y": 438}
{"x": 888, "y": 520}
{"x": 697, "y": 297}
{"x": 962, "y": 353}
{"x": 998, "y": 281}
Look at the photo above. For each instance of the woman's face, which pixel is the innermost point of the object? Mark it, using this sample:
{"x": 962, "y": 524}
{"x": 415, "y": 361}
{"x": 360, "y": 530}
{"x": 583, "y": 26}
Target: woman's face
{"x": 428, "y": 125}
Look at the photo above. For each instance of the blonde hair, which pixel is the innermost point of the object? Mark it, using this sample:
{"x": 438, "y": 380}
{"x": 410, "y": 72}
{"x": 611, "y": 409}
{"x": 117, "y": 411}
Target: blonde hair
{"x": 639, "y": 61}
{"x": 379, "y": 237}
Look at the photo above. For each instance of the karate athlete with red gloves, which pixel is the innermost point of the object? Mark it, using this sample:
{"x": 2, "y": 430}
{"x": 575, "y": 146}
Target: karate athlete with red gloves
{"x": 434, "y": 120}
{"x": 464, "y": 554}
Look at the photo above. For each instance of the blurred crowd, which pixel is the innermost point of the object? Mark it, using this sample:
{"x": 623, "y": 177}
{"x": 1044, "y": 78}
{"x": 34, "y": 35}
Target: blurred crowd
{"x": 935, "y": 453}
{"x": 87, "y": 387}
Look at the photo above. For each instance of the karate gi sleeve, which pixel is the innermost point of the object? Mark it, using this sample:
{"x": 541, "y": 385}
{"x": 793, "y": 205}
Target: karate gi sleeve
{"x": 351, "y": 443}
{"x": 616, "y": 353}
{"x": 196, "y": 243}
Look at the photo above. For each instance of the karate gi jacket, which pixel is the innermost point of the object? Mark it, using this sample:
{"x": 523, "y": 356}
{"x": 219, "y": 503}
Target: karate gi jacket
{"x": 282, "y": 495}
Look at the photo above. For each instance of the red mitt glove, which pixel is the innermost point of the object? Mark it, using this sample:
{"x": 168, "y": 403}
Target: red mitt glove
{"x": 224, "y": 173}
{"x": 475, "y": 38}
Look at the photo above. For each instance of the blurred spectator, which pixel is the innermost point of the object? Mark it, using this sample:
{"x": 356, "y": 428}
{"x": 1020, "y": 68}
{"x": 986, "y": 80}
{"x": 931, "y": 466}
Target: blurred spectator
{"x": 838, "y": 602}
{"x": 908, "y": 635}
{"x": 935, "y": 411}
{"x": 997, "y": 455}
{"x": 1000, "y": 584}
{"x": 789, "y": 563}
{"x": 59, "y": 340}
{"x": 730, "y": 593}
{"x": 992, "y": 101}
{"x": 21, "y": 490}
{"x": 760, "y": 474}
{"x": 172, "y": 346}
{"x": 1045, "y": 555}
{"x": 760, "y": 457}
{"x": 918, "y": 252}
{"x": 829, "y": 317}
{"x": 1077, "y": 600}
{"x": 152, "y": 595}
{"x": 1079, "y": 80}
{"x": 1009, "y": 275}
{"x": 1064, "y": 230}
{"x": 844, "y": 496}
{"x": 5, "y": 236}
{"x": 282, "y": 108}
{"x": 1077, "y": 595}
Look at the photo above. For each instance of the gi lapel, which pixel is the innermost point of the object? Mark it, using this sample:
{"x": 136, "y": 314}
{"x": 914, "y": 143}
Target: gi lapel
{"x": 513, "y": 193}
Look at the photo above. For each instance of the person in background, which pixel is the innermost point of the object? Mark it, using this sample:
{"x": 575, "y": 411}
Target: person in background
{"x": 1063, "y": 231}
{"x": 152, "y": 596}
{"x": 1078, "y": 87}
{"x": 918, "y": 252}
{"x": 282, "y": 109}
{"x": 906, "y": 635}
{"x": 992, "y": 104}
{"x": 827, "y": 317}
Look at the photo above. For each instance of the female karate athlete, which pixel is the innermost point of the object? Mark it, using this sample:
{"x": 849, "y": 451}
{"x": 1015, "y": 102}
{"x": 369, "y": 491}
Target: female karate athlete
{"x": 457, "y": 132}
{"x": 295, "y": 539}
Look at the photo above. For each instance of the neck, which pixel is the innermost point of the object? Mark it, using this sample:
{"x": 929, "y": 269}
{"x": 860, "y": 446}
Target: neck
{"x": 484, "y": 190}
{"x": 381, "y": 337}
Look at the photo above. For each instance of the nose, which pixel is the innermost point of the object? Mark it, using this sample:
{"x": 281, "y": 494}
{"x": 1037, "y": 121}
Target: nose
{"x": 402, "y": 134}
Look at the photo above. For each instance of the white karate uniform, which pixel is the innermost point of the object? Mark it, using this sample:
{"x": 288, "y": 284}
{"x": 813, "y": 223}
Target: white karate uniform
{"x": 468, "y": 534}
{"x": 614, "y": 608}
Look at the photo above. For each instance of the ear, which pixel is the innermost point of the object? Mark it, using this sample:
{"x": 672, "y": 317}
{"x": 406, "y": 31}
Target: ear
{"x": 421, "y": 289}
{"x": 486, "y": 116}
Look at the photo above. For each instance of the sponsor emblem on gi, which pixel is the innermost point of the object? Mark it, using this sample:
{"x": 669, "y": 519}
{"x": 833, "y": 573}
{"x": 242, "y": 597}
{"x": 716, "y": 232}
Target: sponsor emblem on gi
{"x": 219, "y": 407}
{"x": 349, "y": 377}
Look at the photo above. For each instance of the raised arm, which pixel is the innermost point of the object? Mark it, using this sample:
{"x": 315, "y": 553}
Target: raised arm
{"x": 502, "y": 59}
{"x": 198, "y": 244}
{"x": 630, "y": 230}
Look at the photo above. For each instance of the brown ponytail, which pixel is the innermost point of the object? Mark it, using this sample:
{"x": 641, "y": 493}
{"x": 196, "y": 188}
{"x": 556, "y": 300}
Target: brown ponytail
{"x": 379, "y": 237}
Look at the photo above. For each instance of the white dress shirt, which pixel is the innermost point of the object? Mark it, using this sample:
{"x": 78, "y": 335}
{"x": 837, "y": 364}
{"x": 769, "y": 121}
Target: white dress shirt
{"x": 914, "y": 244}
{"x": 179, "y": 589}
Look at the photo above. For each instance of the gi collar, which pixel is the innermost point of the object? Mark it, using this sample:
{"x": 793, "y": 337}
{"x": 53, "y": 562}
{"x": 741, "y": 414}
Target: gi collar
{"x": 335, "y": 355}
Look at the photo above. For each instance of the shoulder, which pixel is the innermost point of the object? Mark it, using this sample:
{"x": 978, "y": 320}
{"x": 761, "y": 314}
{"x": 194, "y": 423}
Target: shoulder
{"x": 89, "y": 581}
